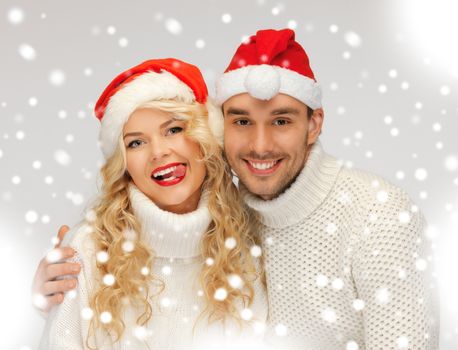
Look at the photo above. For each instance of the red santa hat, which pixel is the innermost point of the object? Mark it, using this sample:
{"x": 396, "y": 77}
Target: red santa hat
{"x": 269, "y": 63}
{"x": 160, "y": 79}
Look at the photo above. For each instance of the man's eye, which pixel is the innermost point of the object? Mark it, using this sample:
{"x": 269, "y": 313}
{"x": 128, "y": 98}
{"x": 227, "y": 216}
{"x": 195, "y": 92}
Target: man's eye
{"x": 174, "y": 130}
{"x": 242, "y": 122}
{"x": 281, "y": 122}
{"x": 134, "y": 144}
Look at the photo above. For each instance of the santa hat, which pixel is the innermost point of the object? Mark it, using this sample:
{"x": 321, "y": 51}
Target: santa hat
{"x": 269, "y": 63}
{"x": 161, "y": 79}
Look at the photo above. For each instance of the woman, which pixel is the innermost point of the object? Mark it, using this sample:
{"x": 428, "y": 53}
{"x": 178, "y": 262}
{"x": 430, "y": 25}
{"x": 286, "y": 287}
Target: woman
{"x": 166, "y": 250}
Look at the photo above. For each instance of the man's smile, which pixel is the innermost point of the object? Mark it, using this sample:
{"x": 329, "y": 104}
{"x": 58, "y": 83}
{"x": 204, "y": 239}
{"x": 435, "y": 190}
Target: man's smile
{"x": 262, "y": 168}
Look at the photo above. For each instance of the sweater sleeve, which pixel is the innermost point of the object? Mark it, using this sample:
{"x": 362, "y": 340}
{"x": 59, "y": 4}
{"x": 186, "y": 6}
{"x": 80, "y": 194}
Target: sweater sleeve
{"x": 65, "y": 327}
{"x": 392, "y": 270}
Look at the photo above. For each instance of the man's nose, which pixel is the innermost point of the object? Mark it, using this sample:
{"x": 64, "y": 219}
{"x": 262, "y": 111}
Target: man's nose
{"x": 261, "y": 140}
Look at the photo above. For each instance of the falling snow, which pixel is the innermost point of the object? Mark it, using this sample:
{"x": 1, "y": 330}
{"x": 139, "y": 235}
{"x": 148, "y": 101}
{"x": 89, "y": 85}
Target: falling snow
{"x": 57, "y": 77}
{"x": 16, "y": 16}
{"x": 281, "y": 330}
{"x": 353, "y": 39}
{"x": 403, "y": 117}
{"x": 230, "y": 243}
{"x": 27, "y": 52}
{"x": 173, "y": 26}
{"x": 220, "y": 294}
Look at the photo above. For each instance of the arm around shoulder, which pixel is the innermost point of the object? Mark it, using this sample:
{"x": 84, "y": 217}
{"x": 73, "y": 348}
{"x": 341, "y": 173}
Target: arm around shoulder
{"x": 66, "y": 326}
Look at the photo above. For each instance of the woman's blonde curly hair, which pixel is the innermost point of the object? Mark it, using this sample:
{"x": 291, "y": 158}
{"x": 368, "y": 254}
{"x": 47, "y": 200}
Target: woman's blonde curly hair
{"x": 134, "y": 283}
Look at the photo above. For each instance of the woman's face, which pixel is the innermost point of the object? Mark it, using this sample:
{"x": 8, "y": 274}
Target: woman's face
{"x": 163, "y": 163}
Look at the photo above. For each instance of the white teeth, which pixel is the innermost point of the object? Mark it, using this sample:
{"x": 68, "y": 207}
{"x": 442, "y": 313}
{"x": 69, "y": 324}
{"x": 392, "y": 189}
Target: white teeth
{"x": 169, "y": 178}
{"x": 165, "y": 171}
{"x": 263, "y": 166}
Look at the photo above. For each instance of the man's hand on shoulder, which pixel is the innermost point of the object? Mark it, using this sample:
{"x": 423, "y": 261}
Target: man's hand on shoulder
{"x": 49, "y": 286}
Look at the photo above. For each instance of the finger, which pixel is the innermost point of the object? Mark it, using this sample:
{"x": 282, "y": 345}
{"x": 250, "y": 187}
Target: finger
{"x": 60, "y": 286}
{"x": 59, "y": 254}
{"x": 62, "y": 269}
{"x": 54, "y": 300}
{"x": 50, "y": 301}
{"x": 60, "y": 234}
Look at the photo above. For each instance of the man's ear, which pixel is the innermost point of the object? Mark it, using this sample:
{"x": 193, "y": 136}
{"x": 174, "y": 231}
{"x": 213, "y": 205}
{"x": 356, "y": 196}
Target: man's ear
{"x": 315, "y": 124}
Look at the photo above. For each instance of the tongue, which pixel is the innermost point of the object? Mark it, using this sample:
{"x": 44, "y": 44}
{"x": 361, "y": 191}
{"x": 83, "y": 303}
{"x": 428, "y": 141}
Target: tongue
{"x": 178, "y": 172}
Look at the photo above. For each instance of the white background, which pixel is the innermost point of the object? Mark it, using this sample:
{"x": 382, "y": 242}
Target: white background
{"x": 390, "y": 99}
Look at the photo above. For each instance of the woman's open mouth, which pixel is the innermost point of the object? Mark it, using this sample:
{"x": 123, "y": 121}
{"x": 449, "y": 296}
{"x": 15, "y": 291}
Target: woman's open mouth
{"x": 169, "y": 174}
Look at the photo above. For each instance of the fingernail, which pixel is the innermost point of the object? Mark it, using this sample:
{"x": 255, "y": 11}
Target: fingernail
{"x": 71, "y": 284}
{"x": 75, "y": 268}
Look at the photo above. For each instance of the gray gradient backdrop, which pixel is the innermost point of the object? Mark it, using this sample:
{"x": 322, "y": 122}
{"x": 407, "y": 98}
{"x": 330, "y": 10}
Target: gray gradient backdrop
{"x": 390, "y": 99}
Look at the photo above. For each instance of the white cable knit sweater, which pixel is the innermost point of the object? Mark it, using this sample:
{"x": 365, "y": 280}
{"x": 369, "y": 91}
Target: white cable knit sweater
{"x": 347, "y": 263}
{"x": 176, "y": 241}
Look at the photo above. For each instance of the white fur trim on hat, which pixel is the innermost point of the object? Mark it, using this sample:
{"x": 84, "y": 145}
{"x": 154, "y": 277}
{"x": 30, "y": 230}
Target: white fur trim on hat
{"x": 215, "y": 120}
{"x": 261, "y": 82}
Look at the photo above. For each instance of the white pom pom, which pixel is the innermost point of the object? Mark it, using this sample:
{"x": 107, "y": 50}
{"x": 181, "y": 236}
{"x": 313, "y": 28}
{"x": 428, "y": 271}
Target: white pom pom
{"x": 262, "y": 82}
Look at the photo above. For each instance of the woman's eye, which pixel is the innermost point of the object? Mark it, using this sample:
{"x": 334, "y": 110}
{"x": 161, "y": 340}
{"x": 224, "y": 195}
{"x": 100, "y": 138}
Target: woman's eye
{"x": 134, "y": 144}
{"x": 174, "y": 130}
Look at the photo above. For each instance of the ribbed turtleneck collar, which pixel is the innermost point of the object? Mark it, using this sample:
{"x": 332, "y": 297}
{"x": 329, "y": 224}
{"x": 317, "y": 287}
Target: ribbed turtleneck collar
{"x": 170, "y": 235}
{"x": 305, "y": 194}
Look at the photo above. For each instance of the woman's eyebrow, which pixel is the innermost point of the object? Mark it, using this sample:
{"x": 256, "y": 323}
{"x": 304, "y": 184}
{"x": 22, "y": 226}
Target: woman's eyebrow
{"x": 133, "y": 134}
{"x": 138, "y": 133}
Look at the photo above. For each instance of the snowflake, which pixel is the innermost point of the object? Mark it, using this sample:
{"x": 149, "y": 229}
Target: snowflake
{"x": 292, "y": 24}
{"x": 57, "y": 77}
{"x": 331, "y": 228}
{"x": 333, "y": 28}
{"x": 230, "y": 243}
{"x": 404, "y": 217}
{"x": 351, "y": 345}
{"x": 220, "y": 294}
{"x": 321, "y": 281}
{"x": 27, "y": 52}
{"x": 358, "y": 304}
{"x": 382, "y": 296}
{"x": 402, "y": 342}
{"x": 62, "y": 157}
{"x": 102, "y": 256}
{"x": 329, "y": 315}
{"x": 15, "y": 15}
{"x": 246, "y": 314}
{"x": 281, "y": 330}
{"x": 235, "y": 281}
{"x": 128, "y": 246}
{"x": 353, "y": 39}
{"x": 337, "y": 284}
{"x": 105, "y": 317}
{"x": 173, "y": 26}
{"x": 421, "y": 174}
{"x": 109, "y": 279}
{"x": 166, "y": 270}
{"x": 226, "y": 18}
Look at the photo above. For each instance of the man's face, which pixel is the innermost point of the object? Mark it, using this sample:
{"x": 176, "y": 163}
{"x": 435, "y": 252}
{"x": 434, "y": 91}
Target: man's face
{"x": 267, "y": 142}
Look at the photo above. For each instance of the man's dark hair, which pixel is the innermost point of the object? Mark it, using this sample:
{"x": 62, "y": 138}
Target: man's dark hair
{"x": 309, "y": 112}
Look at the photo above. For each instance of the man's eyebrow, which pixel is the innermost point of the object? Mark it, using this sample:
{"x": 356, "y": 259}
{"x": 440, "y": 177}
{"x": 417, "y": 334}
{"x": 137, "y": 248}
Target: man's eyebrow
{"x": 285, "y": 110}
{"x": 236, "y": 111}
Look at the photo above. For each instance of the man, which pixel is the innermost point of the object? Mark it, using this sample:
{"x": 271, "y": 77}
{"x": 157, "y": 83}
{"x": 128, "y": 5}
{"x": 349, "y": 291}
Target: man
{"x": 344, "y": 251}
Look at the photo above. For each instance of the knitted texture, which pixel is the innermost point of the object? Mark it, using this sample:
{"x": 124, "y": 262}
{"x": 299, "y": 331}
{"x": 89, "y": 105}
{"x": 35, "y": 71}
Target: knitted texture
{"x": 347, "y": 263}
{"x": 175, "y": 311}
